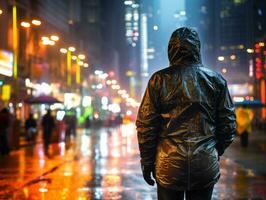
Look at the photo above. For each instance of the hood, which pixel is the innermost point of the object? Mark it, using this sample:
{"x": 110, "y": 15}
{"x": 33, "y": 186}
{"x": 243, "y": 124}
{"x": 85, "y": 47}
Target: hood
{"x": 184, "y": 47}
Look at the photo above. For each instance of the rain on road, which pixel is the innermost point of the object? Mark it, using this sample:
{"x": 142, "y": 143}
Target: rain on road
{"x": 102, "y": 164}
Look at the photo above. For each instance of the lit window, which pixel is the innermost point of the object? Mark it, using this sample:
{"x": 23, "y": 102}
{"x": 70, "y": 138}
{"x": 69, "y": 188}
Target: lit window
{"x": 128, "y": 17}
{"x": 233, "y": 57}
{"x": 155, "y": 28}
{"x": 220, "y": 58}
{"x": 136, "y": 16}
{"x": 259, "y": 11}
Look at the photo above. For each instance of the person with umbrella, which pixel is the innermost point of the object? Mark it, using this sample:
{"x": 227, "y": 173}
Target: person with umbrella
{"x": 244, "y": 117}
{"x": 48, "y": 124}
{"x": 31, "y": 128}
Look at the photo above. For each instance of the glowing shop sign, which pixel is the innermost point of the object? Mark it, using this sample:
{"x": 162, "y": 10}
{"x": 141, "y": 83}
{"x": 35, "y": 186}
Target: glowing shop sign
{"x": 6, "y": 63}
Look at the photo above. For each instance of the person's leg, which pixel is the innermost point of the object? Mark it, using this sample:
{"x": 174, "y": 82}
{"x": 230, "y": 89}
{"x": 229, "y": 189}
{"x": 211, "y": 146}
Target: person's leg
{"x": 46, "y": 142}
{"x": 4, "y": 147}
{"x": 168, "y": 194}
{"x": 244, "y": 139}
{"x": 2, "y": 143}
{"x": 203, "y": 194}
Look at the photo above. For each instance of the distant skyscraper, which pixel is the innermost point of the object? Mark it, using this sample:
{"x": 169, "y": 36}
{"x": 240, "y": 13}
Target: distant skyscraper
{"x": 226, "y": 30}
{"x": 132, "y": 33}
{"x": 201, "y": 16}
{"x": 233, "y": 37}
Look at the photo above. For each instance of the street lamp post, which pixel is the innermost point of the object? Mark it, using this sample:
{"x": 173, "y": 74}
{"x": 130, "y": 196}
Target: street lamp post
{"x": 68, "y": 53}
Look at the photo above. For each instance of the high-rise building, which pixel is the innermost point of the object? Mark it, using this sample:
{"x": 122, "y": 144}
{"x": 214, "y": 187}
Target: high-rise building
{"x": 201, "y": 16}
{"x": 132, "y": 20}
{"x": 99, "y": 26}
{"x": 233, "y": 37}
{"x": 158, "y": 20}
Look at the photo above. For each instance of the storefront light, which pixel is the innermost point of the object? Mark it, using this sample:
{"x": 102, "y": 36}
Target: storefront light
{"x": 104, "y": 100}
{"x": 108, "y": 82}
{"x": 86, "y": 101}
{"x": 114, "y": 82}
{"x": 238, "y": 99}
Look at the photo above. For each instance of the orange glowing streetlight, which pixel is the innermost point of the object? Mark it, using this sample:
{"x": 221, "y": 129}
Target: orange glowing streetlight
{"x": 44, "y": 38}
{"x": 80, "y": 62}
{"x": 72, "y": 49}
{"x": 63, "y": 50}
{"x": 25, "y": 24}
{"x": 81, "y": 56}
{"x": 1, "y": 11}
{"x": 54, "y": 37}
{"x": 36, "y": 22}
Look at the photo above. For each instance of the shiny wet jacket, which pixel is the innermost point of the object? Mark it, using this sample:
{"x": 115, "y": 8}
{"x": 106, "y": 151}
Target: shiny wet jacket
{"x": 186, "y": 119}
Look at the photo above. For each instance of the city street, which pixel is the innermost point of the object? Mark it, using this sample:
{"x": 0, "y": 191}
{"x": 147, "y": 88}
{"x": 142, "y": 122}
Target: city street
{"x": 104, "y": 164}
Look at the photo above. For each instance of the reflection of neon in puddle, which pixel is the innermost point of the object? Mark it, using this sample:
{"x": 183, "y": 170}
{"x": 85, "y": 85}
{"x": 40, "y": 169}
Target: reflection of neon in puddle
{"x": 68, "y": 173}
{"x": 104, "y": 144}
{"x": 43, "y": 190}
{"x": 84, "y": 189}
{"x": 26, "y": 192}
{"x": 42, "y": 162}
{"x": 62, "y": 148}
{"x": 85, "y": 144}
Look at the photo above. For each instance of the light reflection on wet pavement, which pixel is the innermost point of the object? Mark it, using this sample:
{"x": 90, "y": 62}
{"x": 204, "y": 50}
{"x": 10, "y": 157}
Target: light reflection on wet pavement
{"x": 102, "y": 164}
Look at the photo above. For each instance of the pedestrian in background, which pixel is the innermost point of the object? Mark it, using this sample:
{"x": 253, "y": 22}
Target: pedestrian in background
{"x": 5, "y": 122}
{"x": 31, "y": 128}
{"x": 185, "y": 122}
{"x": 48, "y": 125}
{"x": 244, "y": 117}
{"x": 87, "y": 122}
{"x": 73, "y": 124}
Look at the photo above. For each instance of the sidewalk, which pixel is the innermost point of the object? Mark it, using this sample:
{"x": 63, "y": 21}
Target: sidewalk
{"x": 252, "y": 157}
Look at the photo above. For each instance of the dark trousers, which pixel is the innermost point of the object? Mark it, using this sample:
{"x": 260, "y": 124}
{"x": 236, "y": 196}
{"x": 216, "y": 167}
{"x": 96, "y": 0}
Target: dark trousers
{"x": 168, "y": 194}
{"x": 4, "y": 148}
{"x": 244, "y": 139}
{"x": 47, "y": 138}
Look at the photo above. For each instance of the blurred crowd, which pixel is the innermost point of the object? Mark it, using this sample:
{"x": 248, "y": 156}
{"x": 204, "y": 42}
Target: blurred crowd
{"x": 51, "y": 130}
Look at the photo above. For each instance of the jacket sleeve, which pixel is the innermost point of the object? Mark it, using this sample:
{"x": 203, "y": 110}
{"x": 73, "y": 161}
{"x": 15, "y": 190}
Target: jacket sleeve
{"x": 148, "y": 122}
{"x": 226, "y": 121}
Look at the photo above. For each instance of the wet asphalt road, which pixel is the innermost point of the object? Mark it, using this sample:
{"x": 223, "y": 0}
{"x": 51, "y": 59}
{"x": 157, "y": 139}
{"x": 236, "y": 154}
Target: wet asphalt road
{"x": 103, "y": 164}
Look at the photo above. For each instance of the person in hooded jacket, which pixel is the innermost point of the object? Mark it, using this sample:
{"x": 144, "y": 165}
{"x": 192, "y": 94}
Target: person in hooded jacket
{"x": 185, "y": 122}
